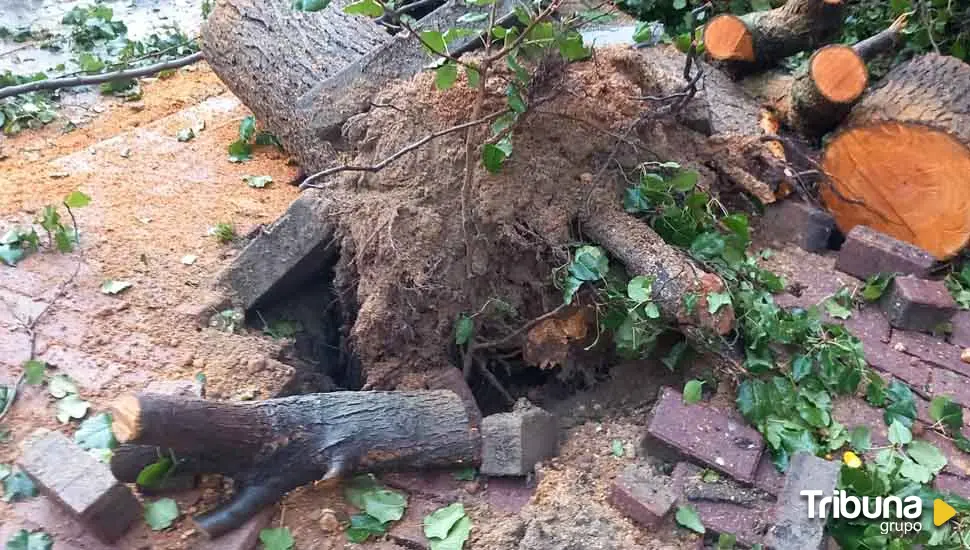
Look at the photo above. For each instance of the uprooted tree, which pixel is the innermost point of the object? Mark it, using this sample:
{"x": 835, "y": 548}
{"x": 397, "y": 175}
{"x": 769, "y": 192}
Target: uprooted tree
{"x": 417, "y": 195}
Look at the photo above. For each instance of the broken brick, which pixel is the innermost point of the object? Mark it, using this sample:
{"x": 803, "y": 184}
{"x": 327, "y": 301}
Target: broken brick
{"x": 799, "y": 223}
{"x": 793, "y": 528}
{"x": 509, "y": 494}
{"x": 716, "y": 437}
{"x": 81, "y": 484}
{"x": 867, "y": 252}
{"x": 723, "y": 505}
{"x": 918, "y": 304}
{"x": 514, "y": 442}
{"x": 642, "y": 494}
{"x": 244, "y": 537}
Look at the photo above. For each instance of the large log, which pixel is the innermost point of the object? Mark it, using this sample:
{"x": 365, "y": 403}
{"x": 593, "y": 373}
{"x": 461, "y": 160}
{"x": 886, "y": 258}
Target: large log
{"x": 759, "y": 39}
{"x": 270, "y": 447}
{"x": 901, "y": 163}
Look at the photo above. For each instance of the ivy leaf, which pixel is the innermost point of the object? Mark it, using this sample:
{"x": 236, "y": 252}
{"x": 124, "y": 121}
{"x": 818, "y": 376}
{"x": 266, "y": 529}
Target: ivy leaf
{"x": 876, "y": 286}
{"x": 27, "y": 540}
{"x": 258, "y": 182}
{"x": 240, "y": 151}
{"x": 902, "y": 405}
{"x": 77, "y": 199}
{"x": 687, "y": 517}
{"x": 927, "y": 456}
{"x": 715, "y": 301}
{"x": 60, "y": 385}
{"x": 944, "y": 411}
{"x": 916, "y": 472}
{"x": 493, "y": 157}
{"x": 95, "y": 433}
{"x": 10, "y": 255}
{"x": 369, "y": 8}
{"x": 310, "y": 5}
{"x": 616, "y": 448}
{"x": 5, "y": 471}
{"x": 692, "y": 391}
{"x": 837, "y": 310}
{"x": 151, "y": 476}
{"x": 464, "y": 327}
{"x": 17, "y": 486}
{"x": 434, "y": 41}
{"x": 640, "y": 289}
{"x": 278, "y": 538}
{"x": 474, "y": 77}
{"x": 70, "y": 407}
{"x": 801, "y": 366}
{"x": 247, "y": 128}
{"x": 515, "y": 101}
{"x": 456, "y": 536}
{"x": 675, "y": 355}
{"x": 684, "y": 181}
{"x": 569, "y": 288}
{"x": 860, "y": 439}
{"x": 589, "y": 264}
{"x": 446, "y": 75}
{"x": 34, "y": 371}
{"x": 161, "y": 514}
{"x": 707, "y": 246}
{"x": 114, "y": 287}
{"x": 362, "y": 526}
{"x": 899, "y": 434}
{"x": 437, "y": 524}
{"x": 726, "y": 541}
{"x": 465, "y": 474}
{"x": 385, "y": 505}
{"x": 571, "y": 47}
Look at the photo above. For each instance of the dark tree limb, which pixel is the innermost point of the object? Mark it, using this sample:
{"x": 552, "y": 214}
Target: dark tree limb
{"x": 273, "y": 446}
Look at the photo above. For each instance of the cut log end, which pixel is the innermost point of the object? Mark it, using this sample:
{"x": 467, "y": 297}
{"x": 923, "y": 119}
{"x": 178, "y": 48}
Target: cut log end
{"x": 727, "y": 38}
{"x": 912, "y": 179}
{"x": 126, "y": 418}
{"x": 839, "y": 73}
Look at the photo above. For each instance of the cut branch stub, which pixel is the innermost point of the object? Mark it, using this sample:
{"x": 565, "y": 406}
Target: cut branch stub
{"x": 273, "y": 446}
{"x": 756, "y": 40}
{"x": 903, "y": 159}
{"x": 824, "y": 94}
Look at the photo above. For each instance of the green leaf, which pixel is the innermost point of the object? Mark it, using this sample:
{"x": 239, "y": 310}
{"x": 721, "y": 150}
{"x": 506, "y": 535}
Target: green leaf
{"x": 515, "y": 100}
{"x": 464, "y": 327}
{"x": 258, "y": 182}
{"x": 640, "y": 289}
{"x": 571, "y": 47}
{"x": 860, "y": 439}
{"x": 278, "y": 538}
{"x": 369, "y": 8}
{"x": 114, "y": 287}
{"x": 676, "y": 354}
{"x": 434, "y": 41}
{"x": 692, "y": 391}
{"x": 247, "y": 128}
{"x": 154, "y": 474}
{"x": 902, "y": 404}
{"x": 161, "y": 514}
{"x": 95, "y": 433}
{"x": 589, "y": 264}
{"x": 240, "y": 151}
{"x": 10, "y": 255}
{"x": 446, "y": 75}
{"x": 679, "y": 4}
{"x": 34, "y": 371}
{"x": 726, "y": 541}
{"x": 70, "y": 407}
{"x": 570, "y": 286}
{"x": 837, "y": 310}
{"x": 437, "y": 524}
{"x": 616, "y": 448}
{"x": 456, "y": 536}
{"x": 27, "y": 540}
{"x": 493, "y": 157}
{"x": 472, "y": 17}
{"x": 17, "y": 486}
{"x": 684, "y": 181}
{"x": 5, "y": 471}
{"x": 77, "y": 199}
{"x": 715, "y": 301}
{"x": 913, "y": 471}
{"x": 465, "y": 474}
{"x": 60, "y": 386}
{"x": 801, "y": 366}
{"x": 185, "y": 134}
{"x": 876, "y": 286}
{"x": 362, "y": 527}
{"x": 474, "y": 78}
{"x": 926, "y": 455}
{"x": 899, "y": 434}
{"x": 687, "y": 517}
{"x": 384, "y": 504}
{"x": 944, "y": 411}
{"x": 707, "y": 246}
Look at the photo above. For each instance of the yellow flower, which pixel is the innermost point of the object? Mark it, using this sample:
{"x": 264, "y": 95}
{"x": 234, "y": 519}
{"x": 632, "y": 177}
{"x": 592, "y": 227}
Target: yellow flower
{"x": 851, "y": 459}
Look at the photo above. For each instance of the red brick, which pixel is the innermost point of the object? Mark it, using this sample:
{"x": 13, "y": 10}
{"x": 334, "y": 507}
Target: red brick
{"x": 643, "y": 495}
{"x": 508, "y": 494}
{"x": 918, "y": 304}
{"x": 953, "y": 385}
{"x": 81, "y": 484}
{"x": 910, "y": 370}
{"x": 852, "y": 412}
{"x": 930, "y": 349}
{"x": 961, "y": 329}
{"x": 947, "y": 483}
{"x": 801, "y": 224}
{"x": 811, "y": 274}
{"x": 433, "y": 485}
{"x": 869, "y": 325}
{"x": 767, "y": 477}
{"x": 725, "y": 507}
{"x": 867, "y": 252}
{"x": 245, "y": 537}
{"x": 718, "y": 438}
{"x": 68, "y": 533}
{"x": 957, "y": 461}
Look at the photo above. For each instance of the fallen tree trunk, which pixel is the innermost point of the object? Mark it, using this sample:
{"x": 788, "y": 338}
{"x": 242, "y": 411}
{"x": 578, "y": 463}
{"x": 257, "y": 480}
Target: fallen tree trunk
{"x": 900, "y": 164}
{"x": 273, "y": 446}
{"x": 756, "y": 40}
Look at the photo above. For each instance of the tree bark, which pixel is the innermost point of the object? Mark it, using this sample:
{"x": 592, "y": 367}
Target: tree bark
{"x": 270, "y": 55}
{"x": 270, "y": 447}
{"x": 904, "y": 155}
{"x": 760, "y": 39}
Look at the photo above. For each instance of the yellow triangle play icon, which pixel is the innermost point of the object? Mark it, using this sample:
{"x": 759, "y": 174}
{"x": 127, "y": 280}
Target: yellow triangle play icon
{"x": 942, "y": 512}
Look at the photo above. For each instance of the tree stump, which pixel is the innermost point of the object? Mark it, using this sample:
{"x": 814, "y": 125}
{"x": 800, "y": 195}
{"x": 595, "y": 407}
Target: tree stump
{"x": 902, "y": 163}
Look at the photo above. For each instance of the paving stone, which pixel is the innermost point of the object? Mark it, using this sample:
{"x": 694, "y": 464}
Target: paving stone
{"x": 917, "y": 304}
{"x": 246, "y": 537}
{"x": 512, "y": 443}
{"x": 907, "y": 368}
{"x": 869, "y": 325}
{"x": 643, "y": 494}
{"x": 715, "y": 437}
{"x": 948, "y": 483}
{"x": 67, "y": 531}
{"x": 436, "y": 485}
{"x": 930, "y": 349}
{"x": 852, "y": 412}
{"x": 801, "y": 224}
{"x": 793, "y": 528}
{"x": 957, "y": 461}
{"x": 509, "y": 494}
{"x": 953, "y": 385}
{"x": 867, "y": 252}
{"x": 82, "y": 484}
{"x": 961, "y": 329}
{"x": 723, "y": 505}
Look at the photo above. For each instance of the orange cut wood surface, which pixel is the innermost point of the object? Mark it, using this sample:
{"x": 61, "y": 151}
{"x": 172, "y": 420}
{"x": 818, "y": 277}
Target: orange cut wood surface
{"x": 839, "y": 73}
{"x": 914, "y": 182}
{"x": 727, "y": 38}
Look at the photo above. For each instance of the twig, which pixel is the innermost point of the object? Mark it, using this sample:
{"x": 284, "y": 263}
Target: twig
{"x": 71, "y": 82}
{"x": 407, "y": 149}
{"x": 494, "y": 381}
{"x": 525, "y": 32}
